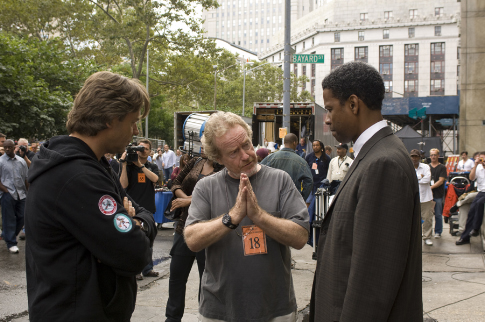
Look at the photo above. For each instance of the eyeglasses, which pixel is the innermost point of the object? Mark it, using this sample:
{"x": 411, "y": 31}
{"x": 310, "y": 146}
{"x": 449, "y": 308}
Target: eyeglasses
{"x": 434, "y": 155}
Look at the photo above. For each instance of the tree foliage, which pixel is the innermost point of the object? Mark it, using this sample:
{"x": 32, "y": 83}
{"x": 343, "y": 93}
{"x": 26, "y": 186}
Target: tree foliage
{"x": 37, "y": 82}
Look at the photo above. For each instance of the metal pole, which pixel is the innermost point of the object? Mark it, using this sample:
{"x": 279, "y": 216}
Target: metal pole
{"x": 429, "y": 132}
{"x": 454, "y": 150}
{"x": 215, "y": 88}
{"x": 146, "y": 119}
{"x": 244, "y": 89}
{"x": 286, "y": 82}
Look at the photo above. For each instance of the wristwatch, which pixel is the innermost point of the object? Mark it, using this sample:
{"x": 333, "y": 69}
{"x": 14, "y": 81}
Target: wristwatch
{"x": 226, "y": 220}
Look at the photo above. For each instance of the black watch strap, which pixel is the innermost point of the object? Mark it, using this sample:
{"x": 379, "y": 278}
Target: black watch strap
{"x": 226, "y": 220}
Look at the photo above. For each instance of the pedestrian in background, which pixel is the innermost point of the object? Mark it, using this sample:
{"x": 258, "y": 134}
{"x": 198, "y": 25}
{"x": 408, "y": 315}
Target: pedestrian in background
{"x": 182, "y": 257}
{"x": 438, "y": 178}
{"x": 168, "y": 162}
{"x": 138, "y": 179}
{"x": 13, "y": 192}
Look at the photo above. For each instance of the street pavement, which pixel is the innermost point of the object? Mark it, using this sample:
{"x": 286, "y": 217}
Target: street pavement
{"x": 453, "y": 283}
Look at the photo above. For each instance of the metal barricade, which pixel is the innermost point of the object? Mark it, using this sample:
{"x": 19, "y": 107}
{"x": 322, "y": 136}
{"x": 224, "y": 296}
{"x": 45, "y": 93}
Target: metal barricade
{"x": 322, "y": 196}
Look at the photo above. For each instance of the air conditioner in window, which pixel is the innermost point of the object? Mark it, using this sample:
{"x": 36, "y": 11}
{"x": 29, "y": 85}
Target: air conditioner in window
{"x": 388, "y": 90}
{"x": 385, "y": 73}
{"x": 410, "y": 72}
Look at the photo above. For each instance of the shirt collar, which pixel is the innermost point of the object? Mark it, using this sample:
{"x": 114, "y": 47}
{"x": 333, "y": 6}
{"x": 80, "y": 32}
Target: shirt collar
{"x": 367, "y": 134}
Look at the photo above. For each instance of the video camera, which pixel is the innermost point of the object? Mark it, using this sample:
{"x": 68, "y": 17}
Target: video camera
{"x": 131, "y": 155}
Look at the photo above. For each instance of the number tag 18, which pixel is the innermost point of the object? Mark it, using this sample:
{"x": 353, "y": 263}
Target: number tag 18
{"x": 254, "y": 240}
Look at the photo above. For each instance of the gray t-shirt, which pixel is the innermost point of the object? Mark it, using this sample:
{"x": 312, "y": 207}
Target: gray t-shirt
{"x": 253, "y": 288}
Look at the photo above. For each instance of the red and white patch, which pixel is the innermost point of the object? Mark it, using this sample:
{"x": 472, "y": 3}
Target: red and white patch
{"x": 107, "y": 205}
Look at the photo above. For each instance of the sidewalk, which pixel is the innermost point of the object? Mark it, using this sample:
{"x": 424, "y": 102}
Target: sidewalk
{"x": 453, "y": 284}
{"x": 150, "y": 303}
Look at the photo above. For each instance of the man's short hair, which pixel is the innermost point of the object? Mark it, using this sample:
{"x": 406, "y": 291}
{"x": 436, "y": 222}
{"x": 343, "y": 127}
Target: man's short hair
{"x": 466, "y": 152}
{"x": 216, "y": 126}
{"x": 434, "y": 150}
{"x": 356, "y": 78}
{"x": 328, "y": 148}
{"x": 290, "y": 138}
{"x": 104, "y": 97}
{"x": 21, "y": 141}
{"x": 2, "y": 135}
{"x": 146, "y": 142}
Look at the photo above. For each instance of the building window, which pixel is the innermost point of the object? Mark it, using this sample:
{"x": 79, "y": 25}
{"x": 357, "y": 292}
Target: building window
{"x": 437, "y": 66}
{"x": 438, "y": 12}
{"x": 413, "y": 13}
{"x": 411, "y": 68}
{"x": 385, "y": 69}
{"x": 361, "y": 36}
{"x": 279, "y": 56}
{"x": 438, "y": 48}
{"x": 313, "y": 70}
{"x": 337, "y": 53}
{"x": 337, "y": 57}
{"x": 437, "y": 30}
{"x": 303, "y": 46}
{"x": 387, "y": 15}
{"x": 313, "y": 88}
{"x": 361, "y": 53}
{"x": 458, "y": 70}
{"x": 411, "y": 50}
{"x": 410, "y": 86}
{"x": 295, "y": 70}
{"x": 411, "y": 32}
{"x": 313, "y": 41}
{"x": 385, "y": 34}
{"x": 363, "y": 16}
{"x": 457, "y": 52}
{"x": 336, "y": 37}
{"x": 385, "y": 51}
{"x": 388, "y": 86}
{"x": 437, "y": 85}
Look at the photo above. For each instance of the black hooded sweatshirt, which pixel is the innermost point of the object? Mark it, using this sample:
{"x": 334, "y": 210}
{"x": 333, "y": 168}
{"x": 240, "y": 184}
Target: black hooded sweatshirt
{"x": 83, "y": 250}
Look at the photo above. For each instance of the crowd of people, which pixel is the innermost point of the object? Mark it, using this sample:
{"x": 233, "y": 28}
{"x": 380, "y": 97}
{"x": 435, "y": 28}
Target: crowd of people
{"x": 90, "y": 226}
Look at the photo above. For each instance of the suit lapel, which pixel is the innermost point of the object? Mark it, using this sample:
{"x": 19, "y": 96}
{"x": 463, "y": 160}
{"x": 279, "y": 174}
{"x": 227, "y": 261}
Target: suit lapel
{"x": 382, "y": 133}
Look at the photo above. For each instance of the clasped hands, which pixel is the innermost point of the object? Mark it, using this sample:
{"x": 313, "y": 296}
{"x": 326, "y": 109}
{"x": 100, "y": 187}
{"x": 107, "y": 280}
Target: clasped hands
{"x": 246, "y": 203}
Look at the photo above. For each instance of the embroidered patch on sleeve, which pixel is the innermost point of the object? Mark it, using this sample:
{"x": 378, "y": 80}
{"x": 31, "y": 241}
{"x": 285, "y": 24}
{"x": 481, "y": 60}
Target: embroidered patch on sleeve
{"x": 122, "y": 223}
{"x": 107, "y": 205}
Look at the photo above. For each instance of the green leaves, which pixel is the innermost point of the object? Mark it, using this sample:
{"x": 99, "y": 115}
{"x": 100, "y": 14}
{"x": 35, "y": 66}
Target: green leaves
{"x": 37, "y": 84}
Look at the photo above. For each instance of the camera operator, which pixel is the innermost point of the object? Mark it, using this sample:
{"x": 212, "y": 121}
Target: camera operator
{"x": 24, "y": 152}
{"x": 138, "y": 178}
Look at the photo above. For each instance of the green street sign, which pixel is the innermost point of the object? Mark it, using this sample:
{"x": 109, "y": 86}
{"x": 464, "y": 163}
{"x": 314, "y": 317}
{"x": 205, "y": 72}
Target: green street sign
{"x": 307, "y": 59}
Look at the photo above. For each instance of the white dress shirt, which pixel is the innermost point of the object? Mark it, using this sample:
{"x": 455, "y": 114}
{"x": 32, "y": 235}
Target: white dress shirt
{"x": 168, "y": 159}
{"x": 367, "y": 134}
{"x": 465, "y": 166}
{"x": 338, "y": 168}
{"x": 423, "y": 173}
{"x": 480, "y": 177}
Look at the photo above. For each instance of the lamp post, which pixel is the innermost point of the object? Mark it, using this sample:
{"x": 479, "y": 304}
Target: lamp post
{"x": 244, "y": 81}
{"x": 215, "y": 84}
{"x": 146, "y": 120}
{"x": 215, "y": 80}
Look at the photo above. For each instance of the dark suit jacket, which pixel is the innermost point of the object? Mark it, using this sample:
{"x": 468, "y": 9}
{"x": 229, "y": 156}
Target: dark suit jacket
{"x": 369, "y": 252}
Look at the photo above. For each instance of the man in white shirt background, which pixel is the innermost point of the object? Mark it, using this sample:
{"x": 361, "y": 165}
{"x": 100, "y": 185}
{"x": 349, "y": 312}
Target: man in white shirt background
{"x": 423, "y": 174}
{"x": 168, "y": 162}
{"x": 465, "y": 163}
{"x": 475, "y": 215}
{"x": 339, "y": 166}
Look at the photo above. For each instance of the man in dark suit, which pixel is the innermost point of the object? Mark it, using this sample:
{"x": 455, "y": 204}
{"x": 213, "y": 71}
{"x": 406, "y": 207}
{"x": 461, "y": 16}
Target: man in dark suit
{"x": 369, "y": 251}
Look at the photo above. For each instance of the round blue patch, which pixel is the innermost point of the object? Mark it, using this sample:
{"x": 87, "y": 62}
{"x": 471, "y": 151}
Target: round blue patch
{"x": 122, "y": 223}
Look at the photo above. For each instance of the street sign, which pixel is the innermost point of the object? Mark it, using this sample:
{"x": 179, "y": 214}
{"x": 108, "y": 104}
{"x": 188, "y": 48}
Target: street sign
{"x": 307, "y": 59}
{"x": 417, "y": 114}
